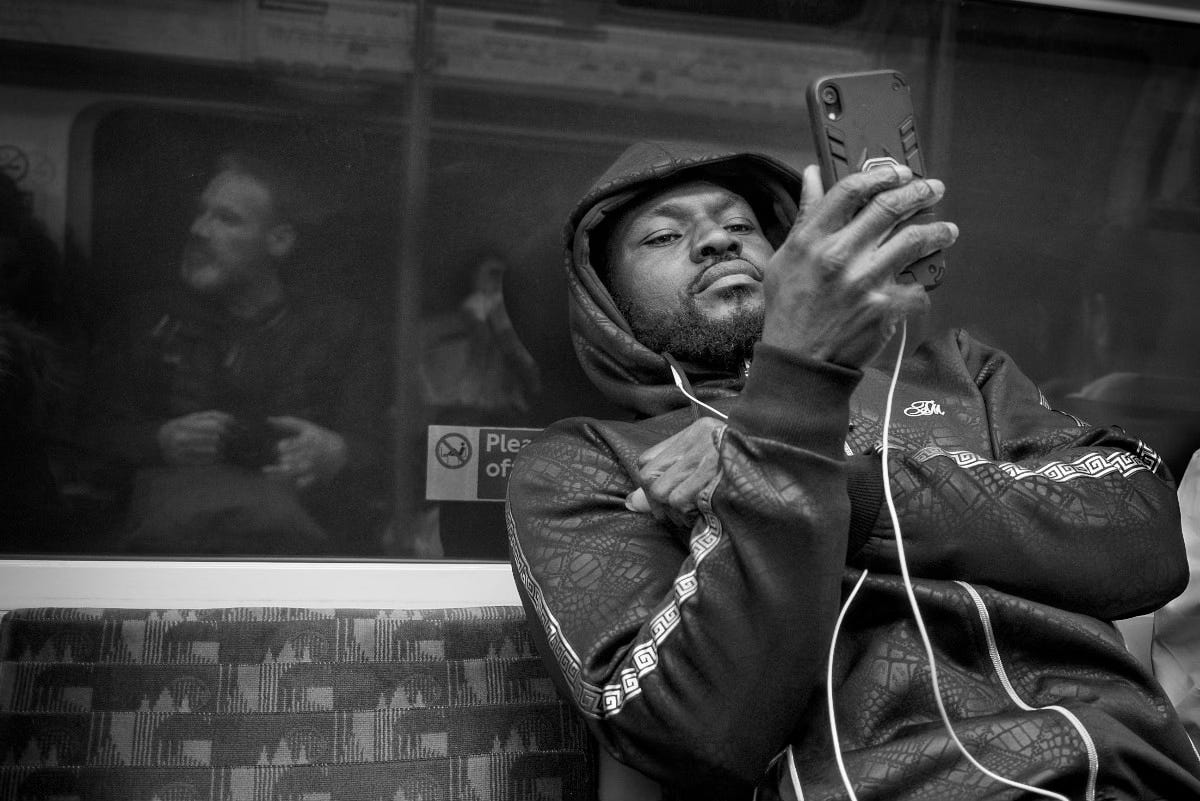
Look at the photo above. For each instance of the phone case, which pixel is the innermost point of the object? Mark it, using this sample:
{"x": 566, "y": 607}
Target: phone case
{"x": 863, "y": 120}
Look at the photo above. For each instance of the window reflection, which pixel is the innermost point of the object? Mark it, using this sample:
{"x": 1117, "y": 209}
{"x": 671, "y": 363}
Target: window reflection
{"x": 1069, "y": 142}
{"x": 232, "y": 399}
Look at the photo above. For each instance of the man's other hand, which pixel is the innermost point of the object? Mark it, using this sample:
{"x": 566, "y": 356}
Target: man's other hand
{"x": 830, "y": 287}
{"x": 673, "y": 473}
{"x": 308, "y": 453}
{"x": 194, "y": 439}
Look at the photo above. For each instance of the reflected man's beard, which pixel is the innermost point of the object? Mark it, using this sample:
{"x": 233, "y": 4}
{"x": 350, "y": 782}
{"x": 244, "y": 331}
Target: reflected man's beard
{"x": 690, "y": 336}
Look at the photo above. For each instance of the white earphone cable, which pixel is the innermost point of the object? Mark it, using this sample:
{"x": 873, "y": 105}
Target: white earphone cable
{"x": 912, "y": 599}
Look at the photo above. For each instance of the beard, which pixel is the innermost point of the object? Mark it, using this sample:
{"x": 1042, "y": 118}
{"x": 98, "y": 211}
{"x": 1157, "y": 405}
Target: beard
{"x": 691, "y": 336}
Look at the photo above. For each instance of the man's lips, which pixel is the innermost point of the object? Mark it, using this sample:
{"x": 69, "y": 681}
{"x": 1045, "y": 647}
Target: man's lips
{"x": 725, "y": 269}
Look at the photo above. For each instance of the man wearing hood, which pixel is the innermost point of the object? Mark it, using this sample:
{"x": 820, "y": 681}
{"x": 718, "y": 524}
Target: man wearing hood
{"x": 718, "y": 586}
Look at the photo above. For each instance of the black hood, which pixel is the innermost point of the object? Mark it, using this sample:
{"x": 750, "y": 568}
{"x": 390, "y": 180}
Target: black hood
{"x": 628, "y": 373}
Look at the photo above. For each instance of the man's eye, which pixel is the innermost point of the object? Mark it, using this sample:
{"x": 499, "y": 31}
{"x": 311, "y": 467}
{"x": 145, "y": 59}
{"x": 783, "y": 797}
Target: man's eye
{"x": 661, "y": 239}
{"x": 739, "y": 227}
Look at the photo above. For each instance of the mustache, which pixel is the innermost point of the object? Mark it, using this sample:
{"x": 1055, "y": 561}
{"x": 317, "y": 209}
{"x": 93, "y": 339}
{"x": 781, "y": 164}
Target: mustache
{"x": 716, "y": 270}
{"x": 194, "y": 247}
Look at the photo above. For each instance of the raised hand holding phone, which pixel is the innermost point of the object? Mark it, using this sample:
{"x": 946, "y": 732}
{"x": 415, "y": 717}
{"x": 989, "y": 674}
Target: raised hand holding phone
{"x": 864, "y": 120}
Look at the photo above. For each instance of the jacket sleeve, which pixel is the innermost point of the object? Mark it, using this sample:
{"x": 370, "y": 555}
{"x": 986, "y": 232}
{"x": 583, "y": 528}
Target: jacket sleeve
{"x": 1082, "y": 518}
{"x": 692, "y": 655}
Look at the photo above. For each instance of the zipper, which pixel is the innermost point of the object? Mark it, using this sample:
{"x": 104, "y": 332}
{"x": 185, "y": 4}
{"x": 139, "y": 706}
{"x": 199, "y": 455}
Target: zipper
{"x": 998, "y": 665}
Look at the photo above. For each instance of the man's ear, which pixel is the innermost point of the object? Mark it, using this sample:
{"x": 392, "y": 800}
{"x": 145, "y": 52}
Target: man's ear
{"x": 281, "y": 239}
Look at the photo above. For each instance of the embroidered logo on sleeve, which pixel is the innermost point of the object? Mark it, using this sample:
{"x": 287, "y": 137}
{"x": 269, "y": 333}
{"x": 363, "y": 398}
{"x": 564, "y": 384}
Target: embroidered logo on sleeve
{"x": 923, "y": 408}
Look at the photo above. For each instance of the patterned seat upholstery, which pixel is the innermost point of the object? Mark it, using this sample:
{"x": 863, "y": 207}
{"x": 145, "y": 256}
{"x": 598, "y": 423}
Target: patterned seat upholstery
{"x": 267, "y": 704}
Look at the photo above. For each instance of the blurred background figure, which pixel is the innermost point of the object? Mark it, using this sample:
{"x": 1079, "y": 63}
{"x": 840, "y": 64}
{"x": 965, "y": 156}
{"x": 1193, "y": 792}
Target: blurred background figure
{"x": 31, "y": 511}
{"x": 1162, "y": 410}
{"x": 475, "y": 371}
{"x": 474, "y": 368}
{"x": 1176, "y": 646}
{"x": 240, "y": 403}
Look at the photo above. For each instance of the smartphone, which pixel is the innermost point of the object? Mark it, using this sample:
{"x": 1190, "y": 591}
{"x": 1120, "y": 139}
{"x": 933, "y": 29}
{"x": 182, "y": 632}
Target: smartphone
{"x": 864, "y": 120}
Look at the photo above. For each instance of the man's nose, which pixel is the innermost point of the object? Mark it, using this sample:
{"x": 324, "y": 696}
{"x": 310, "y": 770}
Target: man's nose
{"x": 713, "y": 240}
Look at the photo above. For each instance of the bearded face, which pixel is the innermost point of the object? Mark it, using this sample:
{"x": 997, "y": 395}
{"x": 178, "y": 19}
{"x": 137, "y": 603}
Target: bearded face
{"x": 686, "y": 270}
{"x": 692, "y": 336}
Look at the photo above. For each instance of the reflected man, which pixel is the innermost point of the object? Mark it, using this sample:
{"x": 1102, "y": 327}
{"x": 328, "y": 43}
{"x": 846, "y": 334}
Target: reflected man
{"x": 241, "y": 401}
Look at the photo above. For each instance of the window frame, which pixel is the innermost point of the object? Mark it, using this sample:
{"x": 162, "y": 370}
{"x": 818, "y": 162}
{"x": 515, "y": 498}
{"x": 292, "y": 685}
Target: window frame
{"x": 202, "y": 584}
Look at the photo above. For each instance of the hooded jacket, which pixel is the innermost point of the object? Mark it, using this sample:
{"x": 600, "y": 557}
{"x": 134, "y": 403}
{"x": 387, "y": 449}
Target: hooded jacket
{"x": 707, "y": 659}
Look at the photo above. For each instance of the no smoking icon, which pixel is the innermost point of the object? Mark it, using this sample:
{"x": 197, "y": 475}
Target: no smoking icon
{"x": 453, "y": 451}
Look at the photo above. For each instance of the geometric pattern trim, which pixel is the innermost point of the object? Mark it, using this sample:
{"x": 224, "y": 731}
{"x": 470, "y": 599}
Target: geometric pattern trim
{"x": 1090, "y": 465}
{"x": 593, "y": 700}
{"x": 265, "y": 704}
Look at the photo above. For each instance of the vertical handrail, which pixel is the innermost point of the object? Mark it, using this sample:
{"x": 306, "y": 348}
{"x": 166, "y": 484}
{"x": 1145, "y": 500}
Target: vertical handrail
{"x": 411, "y": 260}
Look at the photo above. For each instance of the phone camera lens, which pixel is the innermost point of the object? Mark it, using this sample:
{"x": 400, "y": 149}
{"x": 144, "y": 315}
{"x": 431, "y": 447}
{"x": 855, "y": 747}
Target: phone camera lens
{"x": 829, "y": 95}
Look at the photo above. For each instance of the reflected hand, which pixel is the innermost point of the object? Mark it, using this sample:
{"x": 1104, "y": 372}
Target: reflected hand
{"x": 194, "y": 439}
{"x": 308, "y": 454}
{"x": 674, "y": 472}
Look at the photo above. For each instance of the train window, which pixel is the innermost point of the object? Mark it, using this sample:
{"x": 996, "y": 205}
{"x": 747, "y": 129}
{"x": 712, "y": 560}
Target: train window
{"x": 271, "y": 266}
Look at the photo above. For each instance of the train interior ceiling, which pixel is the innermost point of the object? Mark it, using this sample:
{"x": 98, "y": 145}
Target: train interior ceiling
{"x": 433, "y": 135}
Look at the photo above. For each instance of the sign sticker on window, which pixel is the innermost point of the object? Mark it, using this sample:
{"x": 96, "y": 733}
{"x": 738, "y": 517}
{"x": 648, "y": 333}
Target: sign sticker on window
{"x": 467, "y": 463}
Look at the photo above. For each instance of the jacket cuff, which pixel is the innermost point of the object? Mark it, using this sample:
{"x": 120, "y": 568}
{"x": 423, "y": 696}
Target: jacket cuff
{"x": 797, "y": 400}
{"x": 864, "y": 484}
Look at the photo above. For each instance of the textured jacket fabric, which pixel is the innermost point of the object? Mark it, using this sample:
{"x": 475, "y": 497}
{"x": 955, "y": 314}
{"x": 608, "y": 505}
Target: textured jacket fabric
{"x": 700, "y": 656}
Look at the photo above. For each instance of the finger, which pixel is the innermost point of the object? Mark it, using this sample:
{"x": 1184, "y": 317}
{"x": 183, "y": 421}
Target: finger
{"x": 656, "y": 452}
{"x": 212, "y": 418}
{"x": 698, "y": 434}
{"x": 207, "y": 428}
{"x": 205, "y": 446}
{"x": 912, "y": 243}
{"x": 811, "y": 192}
{"x": 671, "y": 488}
{"x": 661, "y": 479}
{"x": 848, "y": 196}
{"x": 691, "y": 483}
{"x": 684, "y": 497}
{"x": 659, "y": 490}
{"x": 289, "y": 446}
{"x": 192, "y": 425}
{"x": 197, "y": 440}
{"x": 637, "y": 501}
{"x": 888, "y": 209}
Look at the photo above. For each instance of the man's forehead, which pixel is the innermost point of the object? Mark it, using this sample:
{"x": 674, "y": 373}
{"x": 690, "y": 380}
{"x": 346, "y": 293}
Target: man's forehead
{"x": 239, "y": 193}
{"x": 236, "y": 185}
{"x": 681, "y": 199}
